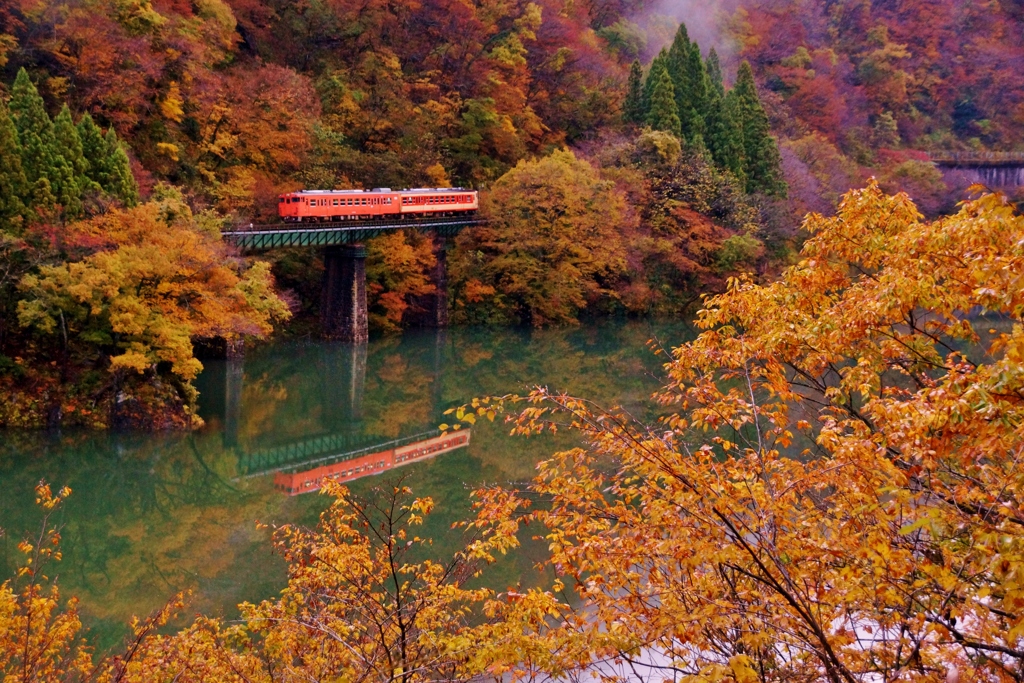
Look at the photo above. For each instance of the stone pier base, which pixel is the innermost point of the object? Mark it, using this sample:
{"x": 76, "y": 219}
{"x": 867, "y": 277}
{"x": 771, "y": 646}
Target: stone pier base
{"x": 343, "y": 313}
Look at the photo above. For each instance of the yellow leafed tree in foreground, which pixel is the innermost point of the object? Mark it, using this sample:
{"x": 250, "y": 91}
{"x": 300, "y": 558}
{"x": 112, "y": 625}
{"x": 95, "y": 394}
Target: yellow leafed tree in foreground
{"x": 834, "y": 494}
{"x": 839, "y": 494}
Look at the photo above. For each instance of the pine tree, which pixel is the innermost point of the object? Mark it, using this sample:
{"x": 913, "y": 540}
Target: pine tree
{"x": 633, "y": 107}
{"x": 96, "y": 151}
{"x": 678, "y": 54}
{"x": 13, "y": 184}
{"x": 69, "y": 145}
{"x": 762, "y": 161}
{"x": 659, "y": 64}
{"x": 41, "y": 199}
{"x": 716, "y": 83}
{"x": 42, "y": 157}
{"x": 693, "y": 110}
{"x": 122, "y": 183}
{"x": 35, "y": 131}
{"x": 663, "y": 114}
{"x": 724, "y": 135}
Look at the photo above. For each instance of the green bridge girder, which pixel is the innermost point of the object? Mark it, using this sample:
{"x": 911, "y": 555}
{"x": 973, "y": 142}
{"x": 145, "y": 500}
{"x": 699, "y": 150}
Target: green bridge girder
{"x": 333, "y": 234}
{"x": 320, "y": 450}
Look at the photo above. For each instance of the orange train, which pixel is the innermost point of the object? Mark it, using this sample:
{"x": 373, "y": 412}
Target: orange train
{"x": 294, "y": 483}
{"x": 342, "y": 205}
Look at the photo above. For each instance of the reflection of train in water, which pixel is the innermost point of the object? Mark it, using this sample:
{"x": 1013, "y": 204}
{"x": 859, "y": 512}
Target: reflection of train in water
{"x": 294, "y": 483}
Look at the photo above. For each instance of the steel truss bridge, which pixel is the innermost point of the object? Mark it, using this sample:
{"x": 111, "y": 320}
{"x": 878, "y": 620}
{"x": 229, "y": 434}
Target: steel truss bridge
{"x": 338, "y": 233}
{"x": 320, "y": 450}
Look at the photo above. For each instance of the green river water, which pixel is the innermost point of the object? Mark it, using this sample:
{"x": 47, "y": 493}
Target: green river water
{"x": 153, "y": 514}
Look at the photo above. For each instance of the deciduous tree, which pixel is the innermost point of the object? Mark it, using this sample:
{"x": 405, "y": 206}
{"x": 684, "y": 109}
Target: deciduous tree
{"x": 835, "y": 490}
{"x": 550, "y": 248}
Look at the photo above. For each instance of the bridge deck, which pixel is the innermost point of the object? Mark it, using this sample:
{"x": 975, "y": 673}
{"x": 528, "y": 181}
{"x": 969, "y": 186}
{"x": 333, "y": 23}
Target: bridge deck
{"x": 977, "y": 159}
{"x": 331, "y": 234}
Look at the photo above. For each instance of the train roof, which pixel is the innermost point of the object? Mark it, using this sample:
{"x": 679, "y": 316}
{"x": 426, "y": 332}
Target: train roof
{"x": 380, "y": 189}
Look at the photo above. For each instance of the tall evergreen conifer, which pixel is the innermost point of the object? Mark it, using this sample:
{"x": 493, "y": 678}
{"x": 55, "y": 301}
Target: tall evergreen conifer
{"x": 13, "y": 184}
{"x": 694, "y": 109}
{"x": 663, "y": 114}
{"x": 95, "y": 150}
{"x": 122, "y": 180}
{"x": 659, "y": 64}
{"x": 35, "y": 130}
{"x": 724, "y": 135}
{"x": 42, "y": 157}
{"x": 633, "y": 106}
{"x": 716, "y": 83}
{"x": 762, "y": 161}
{"x": 69, "y": 145}
{"x": 678, "y": 54}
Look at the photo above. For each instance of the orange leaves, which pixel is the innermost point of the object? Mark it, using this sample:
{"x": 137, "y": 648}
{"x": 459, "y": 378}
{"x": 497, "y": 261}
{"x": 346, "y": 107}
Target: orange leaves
{"x": 150, "y": 279}
{"x": 39, "y": 638}
{"x": 840, "y": 553}
{"x": 550, "y": 247}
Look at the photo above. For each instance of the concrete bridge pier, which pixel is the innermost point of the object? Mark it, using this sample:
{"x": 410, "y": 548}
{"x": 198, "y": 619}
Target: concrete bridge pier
{"x": 431, "y": 310}
{"x": 343, "y": 314}
{"x": 343, "y": 377}
{"x": 234, "y": 380}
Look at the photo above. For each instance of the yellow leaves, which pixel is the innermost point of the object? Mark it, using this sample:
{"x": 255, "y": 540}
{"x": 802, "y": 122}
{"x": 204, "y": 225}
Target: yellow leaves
{"x": 131, "y": 360}
{"x": 156, "y": 282}
{"x": 437, "y": 176}
{"x": 742, "y": 669}
{"x": 171, "y": 106}
{"x": 905, "y": 499}
{"x": 169, "y": 150}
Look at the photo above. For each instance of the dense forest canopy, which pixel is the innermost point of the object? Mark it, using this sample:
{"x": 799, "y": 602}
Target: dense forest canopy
{"x": 240, "y": 94}
{"x": 698, "y": 135}
{"x": 634, "y": 158}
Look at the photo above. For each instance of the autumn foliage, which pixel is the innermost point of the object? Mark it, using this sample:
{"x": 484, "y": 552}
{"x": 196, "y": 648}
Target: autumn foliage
{"x": 832, "y": 494}
{"x": 119, "y": 315}
{"x": 837, "y": 495}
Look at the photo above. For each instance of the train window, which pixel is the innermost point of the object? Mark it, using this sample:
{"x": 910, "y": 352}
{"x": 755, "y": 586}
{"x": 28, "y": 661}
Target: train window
{"x": 335, "y": 202}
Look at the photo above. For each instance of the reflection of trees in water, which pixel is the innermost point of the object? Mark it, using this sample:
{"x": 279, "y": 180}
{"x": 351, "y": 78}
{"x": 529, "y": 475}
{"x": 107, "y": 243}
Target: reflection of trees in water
{"x": 151, "y": 514}
{"x": 148, "y": 516}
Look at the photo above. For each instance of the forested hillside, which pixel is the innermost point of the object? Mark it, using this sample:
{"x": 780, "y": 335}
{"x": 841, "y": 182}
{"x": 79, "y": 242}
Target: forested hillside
{"x": 632, "y": 155}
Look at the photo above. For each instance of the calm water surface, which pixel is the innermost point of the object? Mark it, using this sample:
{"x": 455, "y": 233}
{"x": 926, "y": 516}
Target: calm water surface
{"x": 154, "y": 514}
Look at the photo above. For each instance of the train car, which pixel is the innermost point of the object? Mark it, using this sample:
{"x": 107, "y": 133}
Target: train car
{"x": 439, "y": 201}
{"x": 338, "y": 205}
{"x": 382, "y": 202}
{"x": 307, "y": 481}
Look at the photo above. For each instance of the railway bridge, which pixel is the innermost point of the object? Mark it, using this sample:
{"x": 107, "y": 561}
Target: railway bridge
{"x": 997, "y": 170}
{"x": 343, "y": 313}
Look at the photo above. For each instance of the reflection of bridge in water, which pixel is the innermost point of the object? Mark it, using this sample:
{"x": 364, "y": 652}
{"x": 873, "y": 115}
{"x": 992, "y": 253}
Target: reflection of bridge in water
{"x": 343, "y": 447}
{"x": 377, "y": 459}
